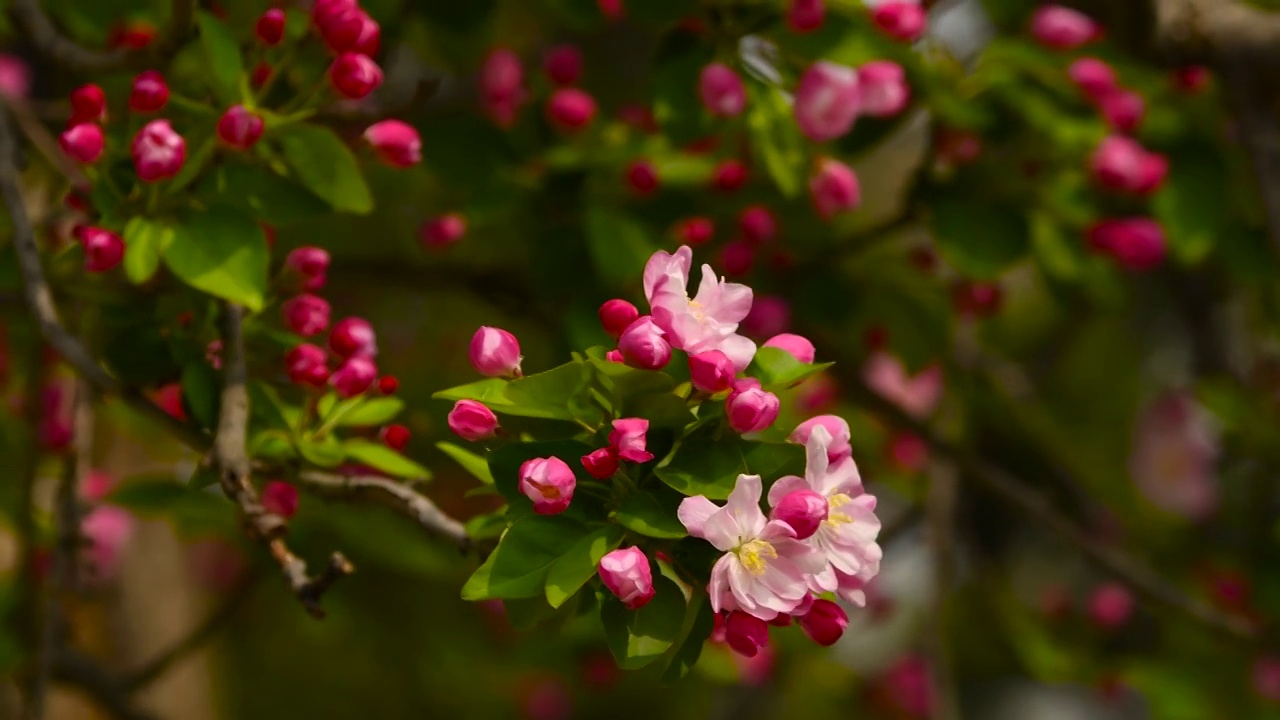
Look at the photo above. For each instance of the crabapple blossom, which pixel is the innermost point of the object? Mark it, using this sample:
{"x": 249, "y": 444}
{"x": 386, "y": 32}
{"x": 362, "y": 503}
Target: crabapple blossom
{"x": 549, "y": 483}
{"x": 710, "y": 320}
{"x": 626, "y": 573}
{"x": 494, "y": 352}
{"x": 628, "y": 439}
{"x": 798, "y": 346}
{"x": 472, "y": 420}
{"x": 828, "y": 99}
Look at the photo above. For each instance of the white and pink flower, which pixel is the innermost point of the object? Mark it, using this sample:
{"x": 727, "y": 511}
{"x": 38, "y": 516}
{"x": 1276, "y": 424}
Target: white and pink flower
{"x": 709, "y": 321}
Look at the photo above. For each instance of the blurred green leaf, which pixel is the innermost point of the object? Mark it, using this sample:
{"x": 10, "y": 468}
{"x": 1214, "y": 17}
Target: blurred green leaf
{"x": 776, "y": 138}
{"x": 518, "y": 567}
{"x": 222, "y": 252}
{"x": 272, "y": 198}
{"x": 144, "y": 241}
{"x": 980, "y": 240}
{"x": 222, "y": 53}
{"x": 652, "y": 512}
{"x": 382, "y": 458}
{"x": 638, "y": 637}
{"x": 326, "y": 166}
{"x": 471, "y": 462}
{"x": 578, "y": 564}
{"x": 1194, "y": 204}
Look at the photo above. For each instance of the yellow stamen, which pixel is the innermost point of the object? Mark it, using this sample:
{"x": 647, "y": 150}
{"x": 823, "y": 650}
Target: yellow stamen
{"x": 547, "y": 490}
{"x": 838, "y": 518}
{"x": 753, "y": 555}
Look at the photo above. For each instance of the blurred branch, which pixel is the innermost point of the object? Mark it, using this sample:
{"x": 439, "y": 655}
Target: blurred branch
{"x": 394, "y": 494}
{"x": 1255, "y": 109}
{"x": 1214, "y": 30}
{"x": 78, "y": 670}
{"x": 940, "y": 514}
{"x": 49, "y": 40}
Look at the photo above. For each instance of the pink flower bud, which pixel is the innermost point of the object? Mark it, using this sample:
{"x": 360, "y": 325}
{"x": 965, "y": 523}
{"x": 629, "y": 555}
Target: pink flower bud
{"x": 239, "y": 128}
{"x": 353, "y": 336}
{"x": 627, "y": 575}
{"x": 825, "y": 622}
{"x": 83, "y": 142}
{"x": 472, "y": 420}
{"x": 549, "y": 483}
{"x": 563, "y": 64}
{"x": 835, "y": 426}
{"x": 103, "y": 249}
{"x": 311, "y": 264}
{"x": 306, "y": 365}
{"x": 769, "y": 315}
{"x": 96, "y": 485}
{"x": 388, "y": 384}
{"x": 1062, "y": 28}
{"x": 442, "y": 231}
{"x": 1266, "y": 678}
{"x": 746, "y": 634}
{"x": 1110, "y": 606}
{"x": 88, "y": 103}
{"x": 601, "y": 464}
{"x": 616, "y": 315}
{"x": 614, "y": 355}
{"x": 1122, "y": 109}
{"x": 150, "y": 93}
{"x": 325, "y": 11}
{"x": 900, "y": 19}
{"x": 1120, "y": 163}
{"x": 750, "y": 408}
{"x": 1094, "y": 77}
{"x": 827, "y": 101}
{"x": 642, "y": 177}
{"x": 280, "y": 498}
{"x": 306, "y": 314}
{"x": 495, "y": 352}
{"x": 803, "y": 510}
{"x": 1136, "y": 243}
{"x": 270, "y": 27}
{"x": 806, "y": 15}
{"x": 729, "y": 175}
{"x": 737, "y": 257}
{"x": 158, "y": 151}
{"x": 834, "y": 188}
{"x": 354, "y": 76}
{"x": 883, "y": 88}
{"x": 643, "y": 345}
{"x": 1191, "y": 79}
{"x": 611, "y": 9}
{"x": 711, "y": 371}
{"x": 106, "y": 530}
{"x": 628, "y": 438}
{"x": 758, "y": 224}
{"x": 354, "y": 376}
{"x": 570, "y": 109}
{"x": 352, "y": 31}
{"x": 799, "y": 346}
{"x": 695, "y": 230}
{"x": 722, "y": 91}
{"x": 395, "y": 437}
{"x": 502, "y": 89}
{"x": 908, "y": 451}
{"x": 396, "y": 143}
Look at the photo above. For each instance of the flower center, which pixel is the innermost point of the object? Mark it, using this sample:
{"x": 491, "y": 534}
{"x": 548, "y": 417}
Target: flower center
{"x": 754, "y": 555}
{"x": 547, "y": 490}
{"x": 835, "y": 518}
{"x": 696, "y": 308}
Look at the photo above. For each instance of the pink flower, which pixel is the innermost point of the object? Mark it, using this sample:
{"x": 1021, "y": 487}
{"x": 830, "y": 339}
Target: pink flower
{"x": 107, "y": 530}
{"x": 158, "y": 151}
{"x": 353, "y": 336}
{"x": 88, "y": 103}
{"x": 917, "y": 395}
{"x": 15, "y": 77}
{"x": 758, "y": 225}
{"x": 549, "y": 483}
{"x": 737, "y": 257}
{"x": 563, "y": 64}
{"x": 834, "y": 188}
{"x": 1062, "y": 28}
{"x": 616, "y": 315}
{"x": 494, "y": 352}
{"x": 601, "y": 464}
{"x": 472, "y": 420}
{"x": 306, "y": 314}
{"x": 1175, "y": 451}
{"x": 803, "y": 510}
{"x": 798, "y": 346}
{"x": 103, "y": 249}
{"x": 1110, "y": 606}
{"x": 745, "y": 634}
{"x": 825, "y": 622}
{"x": 750, "y": 408}
{"x": 309, "y": 263}
{"x": 1094, "y": 77}
{"x": 96, "y": 485}
{"x": 1121, "y": 163}
{"x": 695, "y": 230}
{"x": 628, "y": 438}
{"x": 827, "y": 101}
{"x": 150, "y": 93}
{"x": 1266, "y": 678}
{"x": 764, "y": 571}
{"x": 806, "y": 15}
{"x": 900, "y": 19}
{"x": 838, "y": 447}
{"x": 729, "y": 175}
{"x": 1122, "y": 109}
{"x": 307, "y": 365}
{"x": 352, "y": 30}
{"x": 395, "y": 437}
{"x": 627, "y": 575}
{"x": 722, "y": 91}
{"x": 642, "y": 177}
{"x": 571, "y": 109}
{"x": 354, "y": 76}
{"x": 644, "y": 345}
{"x": 502, "y": 89}
{"x": 707, "y": 322}
{"x": 711, "y": 371}
{"x": 770, "y": 315}
{"x": 239, "y": 128}
{"x": 908, "y": 686}
{"x": 83, "y": 143}
{"x": 396, "y": 143}
{"x": 443, "y": 231}
{"x": 1136, "y": 244}
{"x": 280, "y": 498}
{"x": 354, "y": 376}
{"x": 883, "y": 88}
{"x": 270, "y": 27}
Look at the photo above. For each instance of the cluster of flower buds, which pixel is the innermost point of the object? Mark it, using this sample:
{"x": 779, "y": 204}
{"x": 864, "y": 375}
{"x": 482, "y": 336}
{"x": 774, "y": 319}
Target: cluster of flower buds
{"x": 354, "y": 38}
{"x": 903, "y": 20}
{"x": 830, "y": 97}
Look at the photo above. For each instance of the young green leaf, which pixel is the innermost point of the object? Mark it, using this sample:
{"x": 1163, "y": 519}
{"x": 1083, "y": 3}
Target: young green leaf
{"x": 222, "y": 252}
{"x": 381, "y": 457}
{"x": 638, "y": 637}
{"x": 326, "y": 166}
{"x": 518, "y": 567}
{"x": 471, "y": 462}
{"x": 222, "y": 53}
{"x": 578, "y": 564}
{"x": 144, "y": 240}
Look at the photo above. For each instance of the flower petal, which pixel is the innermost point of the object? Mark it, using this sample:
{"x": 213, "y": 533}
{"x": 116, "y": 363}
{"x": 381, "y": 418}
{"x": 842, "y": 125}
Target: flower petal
{"x": 786, "y": 485}
{"x": 694, "y": 513}
{"x": 668, "y": 272}
{"x": 744, "y": 506}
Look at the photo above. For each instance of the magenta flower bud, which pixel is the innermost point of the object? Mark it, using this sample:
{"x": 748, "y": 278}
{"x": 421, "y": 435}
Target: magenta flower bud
{"x": 644, "y": 346}
{"x": 1191, "y": 79}
{"x": 695, "y": 230}
{"x": 239, "y": 128}
{"x": 443, "y": 231}
{"x": 642, "y": 177}
{"x": 158, "y": 151}
{"x": 1094, "y": 77}
{"x": 614, "y": 355}
{"x": 1122, "y": 109}
{"x": 750, "y": 408}
{"x": 612, "y": 9}
{"x": 280, "y": 498}
{"x": 502, "y": 89}
{"x": 1062, "y": 28}
{"x": 616, "y": 315}
{"x": 353, "y": 337}
{"x": 799, "y": 346}
{"x": 883, "y": 87}
{"x": 1266, "y": 678}
{"x": 825, "y": 622}
{"x": 627, "y": 575}
{"x": 758, "y": 224}
{"x": 835, "y": 426}
{"x": 834, "y": 188}
{"x": 494, "y": 352}
{"x": 711, "y": 371}
{"x": 722, "y": 91}
{"x": 628, "y": 439}
{"x": 570, "y": 109}
{"x": 827, "y": 101}
{"x": 83, "y": 143}
{"x": 746, "y": 634}
{"x": 325, "y": 11}
{"x": 150, "y": 93}
{"x": 563, "y": 64}
{"x": 396, "y": 143}
{"x": 729, "y": 175}
{"x": 88, "y": 104}
{"x": 106, "y": 530}
{"x": 472, "y": 420}
{"x": 806, "y": 15}
{"x": 1152, "y": 173}
{"x": 354, "y": 376}
{"x": 601, "y": 464}
{"x": 1136, "y": 244}
{"x": 306, "y": 365}
{"x": 1110, "y": 606}
{"x": 352, "y": 31}
{"x": 270, "y": 27}
{"x": 803, "y": 510}
{"x": 549, "y": 483}
{"x": 311, "y": 264}
{"x": 306, "y": 314}
{"x": 354, "y": 76}
{"x": 103, "y": 249}
{"x": 1121, "y": 163}
{"x": 769, "y": 315}
{"x": 900, "y": 19}
{"x": 737, "y": 257}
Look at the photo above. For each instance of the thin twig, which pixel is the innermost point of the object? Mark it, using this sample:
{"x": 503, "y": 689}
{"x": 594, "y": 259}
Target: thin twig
{"x": 940, "y": 513}
{"x": 394, "y": 494}
{"x": 78, "y": 670}
{"x": 41, "y": 32}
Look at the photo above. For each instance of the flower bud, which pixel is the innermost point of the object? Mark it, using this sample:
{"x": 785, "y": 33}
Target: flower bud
{"x": 306, "y": 365}
{"x": 642, "y": 177}
{"x": 311, "y": 264}
{"x": 280, "y": 498}
{"x": 722, "y": 91}
{"x": 563, "y": 64}
{"x": 977, "y": 299}
{"x": 627, "y": 574}
{"x": 442, "y": 231}
{"x": 1062, "y": 28}
{"x": 502, "y": 89}
{"x": 570, "y": 109}
{"x": 750, "y": 408}
{"x": 131, "y": 35}
{"x": 835, "y": 426}
{"x": 472, "y": 420}
{"x": 1136, "y": 243}
{"x": 883, "y": 88}
{"x": 88, "y": 104}
{"x": 737, "y": 257}
{"x": 1122, "y": 109}
{"x": 758, "y": 225}
{"x": 106, "y": 531}
{"x": 1120, "y": 163}
{"x": 395, "y": 437}
{"x": 150, "y": 93}
{"x": 643, "y": 345}
{"x": 601, "y": 464}
{"x": 711, "y": 371}
{"x": 396, "y": 143}
{"x": 324, "y": 12}
{"x": 900, "y": 19}
{"x": 834, "y": 188}
{"x": 729, "y": 175}
{"x": 352, "y": 31}
{"x": 612, "y": 9}
{"x": 803, "y": 510}
{"x": 354, "y": 76}
{"x": 354, "y": 376}
{"x": 695, "y": 230}
{"x": 825, "y": 622}
{"x": 158, "y": 151}
{"x": 1191, "y": 79}
{"x": 260, "y": 74}
{"x": 495, "y": 352}
{"x": 270, "y": 27}
{"x": 388, "y": 384}
{"x": 239, "y": 128}
{"x": 83, "y": 143}
{"x": 549, "y": 483}
{"x": 614, "y": 355}
{"x": 1094, "y": 77}
{"x": 103, "y": 249}
{"x": 352, "y": 337}
{"x": 616, "y": 315}
{"x": 746, "y": 634}
{"x": 908, "y": 451}
{"x": 1110, "y": 606}
{"x": 798, "y": 346}
{"x": 806, "y": 15}
{"x": 769, "y": 315}
{"x": 827, "y": 101}
{"x": 628, "y": 439}
{"x": 306, "y": 314}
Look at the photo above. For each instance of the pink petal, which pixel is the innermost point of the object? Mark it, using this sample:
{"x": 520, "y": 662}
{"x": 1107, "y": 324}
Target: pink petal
{"x": 694, "y": 513}
{"x": 785, "y": 486}
{"x": 744, "y": 506}
{"x": 739, "y": 349}
{"x": 668, "y": 272}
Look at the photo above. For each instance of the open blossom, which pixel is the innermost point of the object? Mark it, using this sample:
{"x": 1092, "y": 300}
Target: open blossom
{"x": 836, "y": 427}
{"x": 628, "y": 438}
{"x": 627, "y": 574}
{"x": 917, "y": 395}
{"x": 827, "y": 101}
{"x": 764, "y": 571}
{"x": 1174, "y": 453}
{"x": 710, "y": 320}
{"x": 883, "y": 87}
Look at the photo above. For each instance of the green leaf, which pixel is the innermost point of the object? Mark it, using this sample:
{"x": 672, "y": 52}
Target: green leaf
{"x": 618, "y": 243}
{"x": 381, "y": 457}
{"x": 144, "y": 240}
{"x": 578, "y": 564}
{"x": 326, "y": 166}
{"x": 776, "y": 138}
{"x": 652, "y": 512}
{"x": 676, "y": 69}
{"x": 704, "y": 464}
{"x": 326, "y": 453}
{"x": 274, "y": 199}
{"x": 222, "y": 53}
{"x": 490, "y": 391}
{"x": 200, "y": 388}
{"x": 776, "y": 368}
{"x": 222, "y": 252}
{"x": 700, "y": 620}
{"x": 471, "y": 462}
{"x": 518, "y": 567}
{"x": 638, "y": 637}
{"x": 561, "y": 393}
{"x": 980, "y": 240}
{"x": 360, "y": 411}
{"x": 1194, "y": 205}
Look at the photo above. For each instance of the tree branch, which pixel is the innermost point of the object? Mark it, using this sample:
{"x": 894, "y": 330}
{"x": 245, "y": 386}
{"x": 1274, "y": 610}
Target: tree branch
{"x": 1211, "y": 30}
{"x": 391, "y": 493}
{"x": 78, "y": 670}
{"x": 940, "y": 512}
{"x": 42, "y": 33}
